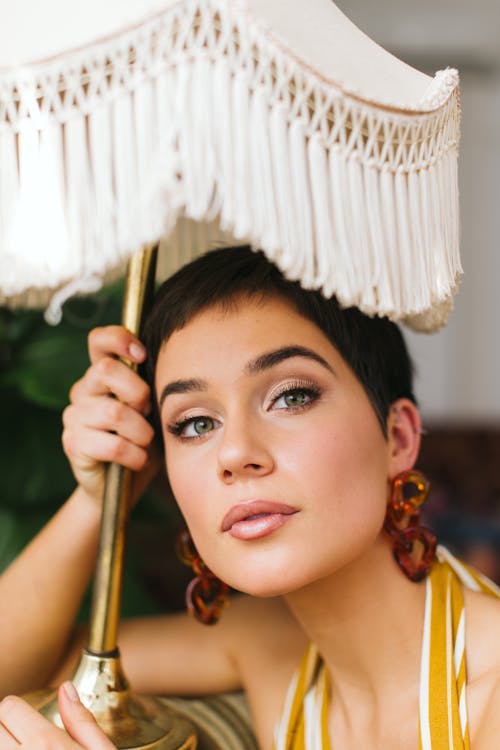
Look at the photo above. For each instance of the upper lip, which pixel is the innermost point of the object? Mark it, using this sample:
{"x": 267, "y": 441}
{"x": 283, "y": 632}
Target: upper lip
{"x": 252, "y": 508}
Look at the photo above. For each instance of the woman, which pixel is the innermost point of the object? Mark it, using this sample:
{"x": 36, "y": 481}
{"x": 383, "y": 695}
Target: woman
{"x": 288, "y": 425}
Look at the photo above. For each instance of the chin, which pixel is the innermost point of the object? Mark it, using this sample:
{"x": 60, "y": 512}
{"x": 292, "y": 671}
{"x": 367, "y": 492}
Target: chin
{"x": 265, "y": 581}
{"x": 263, "y": 591}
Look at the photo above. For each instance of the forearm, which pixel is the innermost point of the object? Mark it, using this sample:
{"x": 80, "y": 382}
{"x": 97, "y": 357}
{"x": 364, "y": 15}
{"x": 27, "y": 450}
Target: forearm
{"x": 41, "y": 593}
{"x": 42, "y": 590}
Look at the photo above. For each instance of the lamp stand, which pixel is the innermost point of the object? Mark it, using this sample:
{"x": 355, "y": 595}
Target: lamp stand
{"x": 131, "y": 722}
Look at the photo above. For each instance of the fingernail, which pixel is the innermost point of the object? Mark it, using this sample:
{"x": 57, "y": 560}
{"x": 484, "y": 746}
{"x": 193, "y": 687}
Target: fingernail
{"x": 137, "y": 351}
{"x": 71, "y": 693}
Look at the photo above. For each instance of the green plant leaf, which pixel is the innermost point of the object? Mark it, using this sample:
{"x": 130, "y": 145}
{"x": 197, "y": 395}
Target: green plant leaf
{"x": 33, "y": 466}
{"x": 43, "y": 361}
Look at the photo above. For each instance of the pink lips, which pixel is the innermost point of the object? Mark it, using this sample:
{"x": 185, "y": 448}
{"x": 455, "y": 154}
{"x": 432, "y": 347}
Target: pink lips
{"x": 256, "y": 519}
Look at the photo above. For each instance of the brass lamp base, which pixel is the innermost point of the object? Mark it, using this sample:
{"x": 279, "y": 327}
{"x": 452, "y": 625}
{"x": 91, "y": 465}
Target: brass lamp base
{"x": 131, "y": 722}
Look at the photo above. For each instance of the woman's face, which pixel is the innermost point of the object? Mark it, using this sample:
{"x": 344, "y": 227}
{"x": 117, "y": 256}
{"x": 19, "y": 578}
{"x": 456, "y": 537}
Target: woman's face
{"x": 273, "y": 450}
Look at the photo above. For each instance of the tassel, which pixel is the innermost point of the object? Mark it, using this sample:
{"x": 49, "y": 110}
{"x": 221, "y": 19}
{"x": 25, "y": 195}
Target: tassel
{"x": 168, "y": 199}
{"x": 362, "y": 249}
{"x": 125, "y": 177}
{"x": 9, "y": 186}
{"x": 198, "y": 157}
{"x": 224, "y": 138}
{"x": 408, "y": 277}
{"x": 145, "y": 137}
{"x": 78, "y": 193}
{"x": 383, "y": 257}
{"x": 41, "y": 199}
{"x": 198, "y": 113}
{"x": 422, "y": 286}
{"x": 282, "y": 175}
{"x": 426, "y": 213}
{"x": 326, "y": 276}
{"x": 342, "y": 221}
{"x": 102, "y": 223}
{"x": 303, "y": 266}
{"x": 265, "y": 226}
{"x": 243, "y": 187}
{"x": 388, "y": 216}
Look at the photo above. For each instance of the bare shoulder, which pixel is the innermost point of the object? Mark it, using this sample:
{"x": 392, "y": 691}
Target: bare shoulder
{"x": 483, "y": 669}
{"x": 485, "y": 736}
{"x": 483, "y": 629}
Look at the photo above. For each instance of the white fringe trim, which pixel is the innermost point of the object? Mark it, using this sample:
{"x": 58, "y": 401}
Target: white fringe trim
{"x": 199, "y": 113}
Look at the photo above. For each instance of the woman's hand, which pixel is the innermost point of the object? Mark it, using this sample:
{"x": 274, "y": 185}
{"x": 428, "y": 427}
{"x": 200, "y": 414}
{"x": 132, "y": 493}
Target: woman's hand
{"x": 106, "y": 419}
{"x": 23, "y": 727}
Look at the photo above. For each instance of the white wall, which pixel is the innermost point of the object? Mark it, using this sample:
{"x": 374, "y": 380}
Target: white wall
{"x": 459, "y": 368}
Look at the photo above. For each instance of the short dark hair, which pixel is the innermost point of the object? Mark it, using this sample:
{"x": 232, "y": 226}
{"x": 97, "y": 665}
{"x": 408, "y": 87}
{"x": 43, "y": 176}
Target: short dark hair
{"x": 374, "y": 348}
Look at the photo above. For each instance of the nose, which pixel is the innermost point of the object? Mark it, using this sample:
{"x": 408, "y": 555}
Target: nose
{"x": 244, "y": 452}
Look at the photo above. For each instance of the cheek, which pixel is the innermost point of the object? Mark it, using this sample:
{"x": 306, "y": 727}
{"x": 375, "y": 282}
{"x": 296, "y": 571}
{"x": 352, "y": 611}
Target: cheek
{"x": 183, "y": 482}
{"x": 347, "y": 468}
{"x": 189, "y": 484}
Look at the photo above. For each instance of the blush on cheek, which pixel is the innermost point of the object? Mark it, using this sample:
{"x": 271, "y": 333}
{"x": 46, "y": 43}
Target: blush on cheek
{"x": 352, "y": 469}
{"x": 183, "y": 486}
{"x": 192, "y": 494}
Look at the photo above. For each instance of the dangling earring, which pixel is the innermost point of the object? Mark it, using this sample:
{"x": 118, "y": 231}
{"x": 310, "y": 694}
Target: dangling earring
{"x": 206, "y": 595}
{"x": 409, "y": 492}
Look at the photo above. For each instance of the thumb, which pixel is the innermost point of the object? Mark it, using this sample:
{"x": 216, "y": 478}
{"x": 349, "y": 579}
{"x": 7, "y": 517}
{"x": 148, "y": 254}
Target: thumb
{"x": 79, "y": 722}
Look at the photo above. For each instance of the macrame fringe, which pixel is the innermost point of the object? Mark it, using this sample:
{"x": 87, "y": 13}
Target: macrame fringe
{"x": 197, "y": 114}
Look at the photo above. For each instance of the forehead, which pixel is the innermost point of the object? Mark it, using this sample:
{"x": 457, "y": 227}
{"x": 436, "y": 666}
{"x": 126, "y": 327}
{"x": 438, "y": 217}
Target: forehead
{"x": 238, "y": 331}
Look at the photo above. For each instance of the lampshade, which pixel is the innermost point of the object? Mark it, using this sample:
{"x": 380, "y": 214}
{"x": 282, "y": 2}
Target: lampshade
{"x": 273, "y": 122}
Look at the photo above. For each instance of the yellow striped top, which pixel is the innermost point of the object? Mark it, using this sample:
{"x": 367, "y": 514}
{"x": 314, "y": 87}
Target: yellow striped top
{"x": 443, "y": 712}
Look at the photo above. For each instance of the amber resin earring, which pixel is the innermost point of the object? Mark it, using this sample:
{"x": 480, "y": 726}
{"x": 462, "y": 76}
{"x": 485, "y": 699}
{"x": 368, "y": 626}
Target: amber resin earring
{"x": 414, "y": 546}
{"x": 206, "y": 595}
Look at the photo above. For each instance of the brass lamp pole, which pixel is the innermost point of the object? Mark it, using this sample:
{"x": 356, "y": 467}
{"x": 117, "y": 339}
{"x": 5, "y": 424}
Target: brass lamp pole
{"x": 131, "y": 722}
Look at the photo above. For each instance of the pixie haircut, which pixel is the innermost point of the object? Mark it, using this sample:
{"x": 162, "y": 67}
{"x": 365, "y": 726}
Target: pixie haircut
{"x": 373, "y": 348}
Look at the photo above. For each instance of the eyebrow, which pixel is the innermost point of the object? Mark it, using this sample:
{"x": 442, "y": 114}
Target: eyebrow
{"x": 182, "y": 386}
{"x": 270, "y": 359}
{"x": 259, "y": 364}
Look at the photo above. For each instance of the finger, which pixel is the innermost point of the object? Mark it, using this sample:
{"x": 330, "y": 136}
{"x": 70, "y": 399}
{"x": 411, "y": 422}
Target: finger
{"x": 7, "y": 740}
{"x": 104, "y": 413}
{"x": 115, "y": 341}
{"x": 79, "y": 723}
{"x": 86, "y": 446}
{"x": 153, "y": 466}
{"x": 27, "y": 727}
{"x": 111, "y": 376}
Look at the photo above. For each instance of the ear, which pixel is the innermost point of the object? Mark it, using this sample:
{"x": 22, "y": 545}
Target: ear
{"x": 404, "y": 428}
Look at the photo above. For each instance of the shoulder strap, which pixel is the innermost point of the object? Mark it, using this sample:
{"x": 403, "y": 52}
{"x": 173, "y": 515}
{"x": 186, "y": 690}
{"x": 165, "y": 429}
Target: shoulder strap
{"x": 443, "y": 710}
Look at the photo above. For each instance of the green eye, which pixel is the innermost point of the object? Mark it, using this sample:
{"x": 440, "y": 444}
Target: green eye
{"x": 194, "y": 427}
{"x": 203, "y": 425}
{"x": 295, "y": 398}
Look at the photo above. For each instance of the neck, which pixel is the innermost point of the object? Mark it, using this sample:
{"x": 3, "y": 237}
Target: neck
{"x": 366, "y": 621}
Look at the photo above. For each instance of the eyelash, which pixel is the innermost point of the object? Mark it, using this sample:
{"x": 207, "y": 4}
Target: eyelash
{"x": 311, "y": 391}
{"x": 177, "y": 428}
